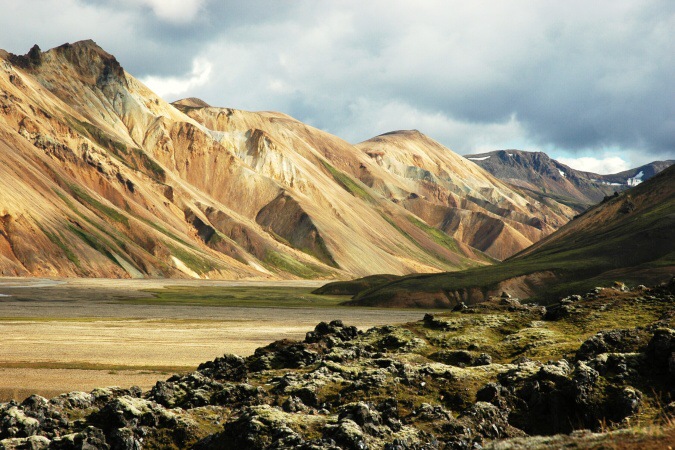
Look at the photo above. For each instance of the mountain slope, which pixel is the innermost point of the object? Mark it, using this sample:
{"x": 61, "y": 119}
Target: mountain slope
{"x": 545, "y": 177}
{"x": 457, "y": 197}
{"x": 104, "y": 178}
{"x": 313, "y": 167}
{"x": 101, "y": 177}
{"x": 633, "y": 177}
{"x": 628, "y": 237}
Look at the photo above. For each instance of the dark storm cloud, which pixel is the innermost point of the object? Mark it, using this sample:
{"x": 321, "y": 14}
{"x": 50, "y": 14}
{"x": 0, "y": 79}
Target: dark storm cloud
{"x": 572, "y": 78}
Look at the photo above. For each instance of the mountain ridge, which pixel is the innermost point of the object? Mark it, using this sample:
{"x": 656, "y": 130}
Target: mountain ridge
{"x": 116, "y": 182}
{"x": 542, "y": 175}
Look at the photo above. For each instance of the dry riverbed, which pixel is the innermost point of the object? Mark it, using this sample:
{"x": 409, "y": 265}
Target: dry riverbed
{"x": 63, "y": 335}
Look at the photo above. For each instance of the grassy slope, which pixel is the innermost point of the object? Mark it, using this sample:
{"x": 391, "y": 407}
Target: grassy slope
{"x": 240, "y": 296}
{"x": 605, "y": 243}
{"x": 353, "y": 287}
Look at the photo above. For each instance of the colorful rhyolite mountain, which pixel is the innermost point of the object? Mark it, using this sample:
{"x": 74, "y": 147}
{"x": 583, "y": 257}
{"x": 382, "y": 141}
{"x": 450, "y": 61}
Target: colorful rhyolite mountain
{"x": 102, "y": 178}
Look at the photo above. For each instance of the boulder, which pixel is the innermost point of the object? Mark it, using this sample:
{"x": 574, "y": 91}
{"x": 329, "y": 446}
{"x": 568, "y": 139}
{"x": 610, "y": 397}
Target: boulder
{"x": 258, "y": 427}
{"x": 91, "y": 438}
{"x": 661, "y": 348}
{"x": 334, "y": 329}
{"x": 227, "y": 367}
{"x": 283, "y": 354}
{"x": 347, "y": 434}
{"x": 614, "y": 341}
{"x": 14, "y": 423}
{"x": 462, "y": 358}
{"x": 29, "y": 443}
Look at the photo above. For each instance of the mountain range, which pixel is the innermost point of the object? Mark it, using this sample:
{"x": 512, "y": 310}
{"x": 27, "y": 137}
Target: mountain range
{"x": 103, "y": 178}
{"x": 543, "y": 176}
{"x": 627, "y": 238}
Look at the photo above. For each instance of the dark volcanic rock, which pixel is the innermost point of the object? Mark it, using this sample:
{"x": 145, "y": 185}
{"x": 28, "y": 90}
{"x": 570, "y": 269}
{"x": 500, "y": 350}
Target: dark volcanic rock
{"x": 282, "y": 354}
{"x": 14, "y": 422}
{"x": 615, "y": 341}
{"x": 661, "y": 348}
{"x": 261, "y": 427}
{"x": 392, "y": 387}
{"x": 88, "y": 439}
{"x": 462, "y": 358}
{"x": 558, "y": 311}
{"x": 228, "y": 367}
{"x": 334, "y": 329}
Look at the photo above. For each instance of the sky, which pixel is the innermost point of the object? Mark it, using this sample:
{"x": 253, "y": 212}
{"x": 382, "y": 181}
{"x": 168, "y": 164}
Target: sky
{"x": 590, "y": 83}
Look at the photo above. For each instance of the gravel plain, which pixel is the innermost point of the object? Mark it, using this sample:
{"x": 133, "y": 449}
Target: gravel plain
{"x": 76, "y": 334}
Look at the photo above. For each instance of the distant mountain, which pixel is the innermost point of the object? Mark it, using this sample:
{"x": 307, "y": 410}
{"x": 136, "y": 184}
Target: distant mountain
{"x": 628, "y": 237}
{"x": 633, "y": 177}
{"x": 102, "y": 178}
{"x": 540, "y": 175}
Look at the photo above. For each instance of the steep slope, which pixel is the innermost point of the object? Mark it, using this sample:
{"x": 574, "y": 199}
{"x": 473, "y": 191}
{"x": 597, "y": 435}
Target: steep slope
{"x": 104, "y": 178}
{"x": 79, "y": 197}
{"x": 543, "y": 176}
{"x": 628, "y": 237}
{"x": 457, "y": 197}
{"x": 326, "y": 211}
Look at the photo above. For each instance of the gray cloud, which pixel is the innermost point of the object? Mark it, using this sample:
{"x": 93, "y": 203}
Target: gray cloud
{"x": 572, "y": 78}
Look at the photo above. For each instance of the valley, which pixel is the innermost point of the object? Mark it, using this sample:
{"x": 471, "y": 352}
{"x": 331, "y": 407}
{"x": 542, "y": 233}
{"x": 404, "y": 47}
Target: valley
{"x": 63, "y": 335}
{"x": 296, "y": 290}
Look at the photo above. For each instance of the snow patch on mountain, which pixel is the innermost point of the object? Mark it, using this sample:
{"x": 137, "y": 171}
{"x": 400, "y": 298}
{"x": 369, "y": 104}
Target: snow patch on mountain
{"x": 637, "y": 179}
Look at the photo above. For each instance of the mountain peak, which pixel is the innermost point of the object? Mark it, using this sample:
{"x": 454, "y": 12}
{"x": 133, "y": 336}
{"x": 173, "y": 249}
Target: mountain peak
{"x": 191, "y": 102}
{"x": 539, "y": 173}
{"x": 402, "y": 133}
{"x": 78, "y": 51}
{"x": 89, "y": 60}
{"x": 31, "y": 59}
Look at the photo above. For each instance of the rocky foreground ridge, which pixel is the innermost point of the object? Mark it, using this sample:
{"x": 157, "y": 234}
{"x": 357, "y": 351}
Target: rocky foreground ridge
{"x": 496, "y": 375}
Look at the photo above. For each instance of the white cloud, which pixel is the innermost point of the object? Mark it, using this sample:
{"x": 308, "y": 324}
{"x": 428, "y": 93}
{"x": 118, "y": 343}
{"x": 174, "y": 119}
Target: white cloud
{"x": 169, "y": 87}
{"x": 175, "y": 11}
{"x": 573, "y": 77}
{"x": 367, "y": 119}
{"x": 610, "y": 164}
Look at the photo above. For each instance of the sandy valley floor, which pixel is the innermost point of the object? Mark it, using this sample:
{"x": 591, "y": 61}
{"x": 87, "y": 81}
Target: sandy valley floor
{"x": 58, "y": 336}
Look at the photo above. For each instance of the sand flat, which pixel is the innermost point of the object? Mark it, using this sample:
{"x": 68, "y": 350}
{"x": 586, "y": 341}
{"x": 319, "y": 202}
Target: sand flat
{"x": 64, "y": 335}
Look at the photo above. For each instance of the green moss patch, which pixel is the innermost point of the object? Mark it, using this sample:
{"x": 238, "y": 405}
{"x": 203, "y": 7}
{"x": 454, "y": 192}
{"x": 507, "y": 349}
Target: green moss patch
{"x": 279, "y": 261}
{"x": 111, "y": 213}
{"x": 58, "y": 241}
{"x": 196, "y": 263}
{"x": 348, "y": 184}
